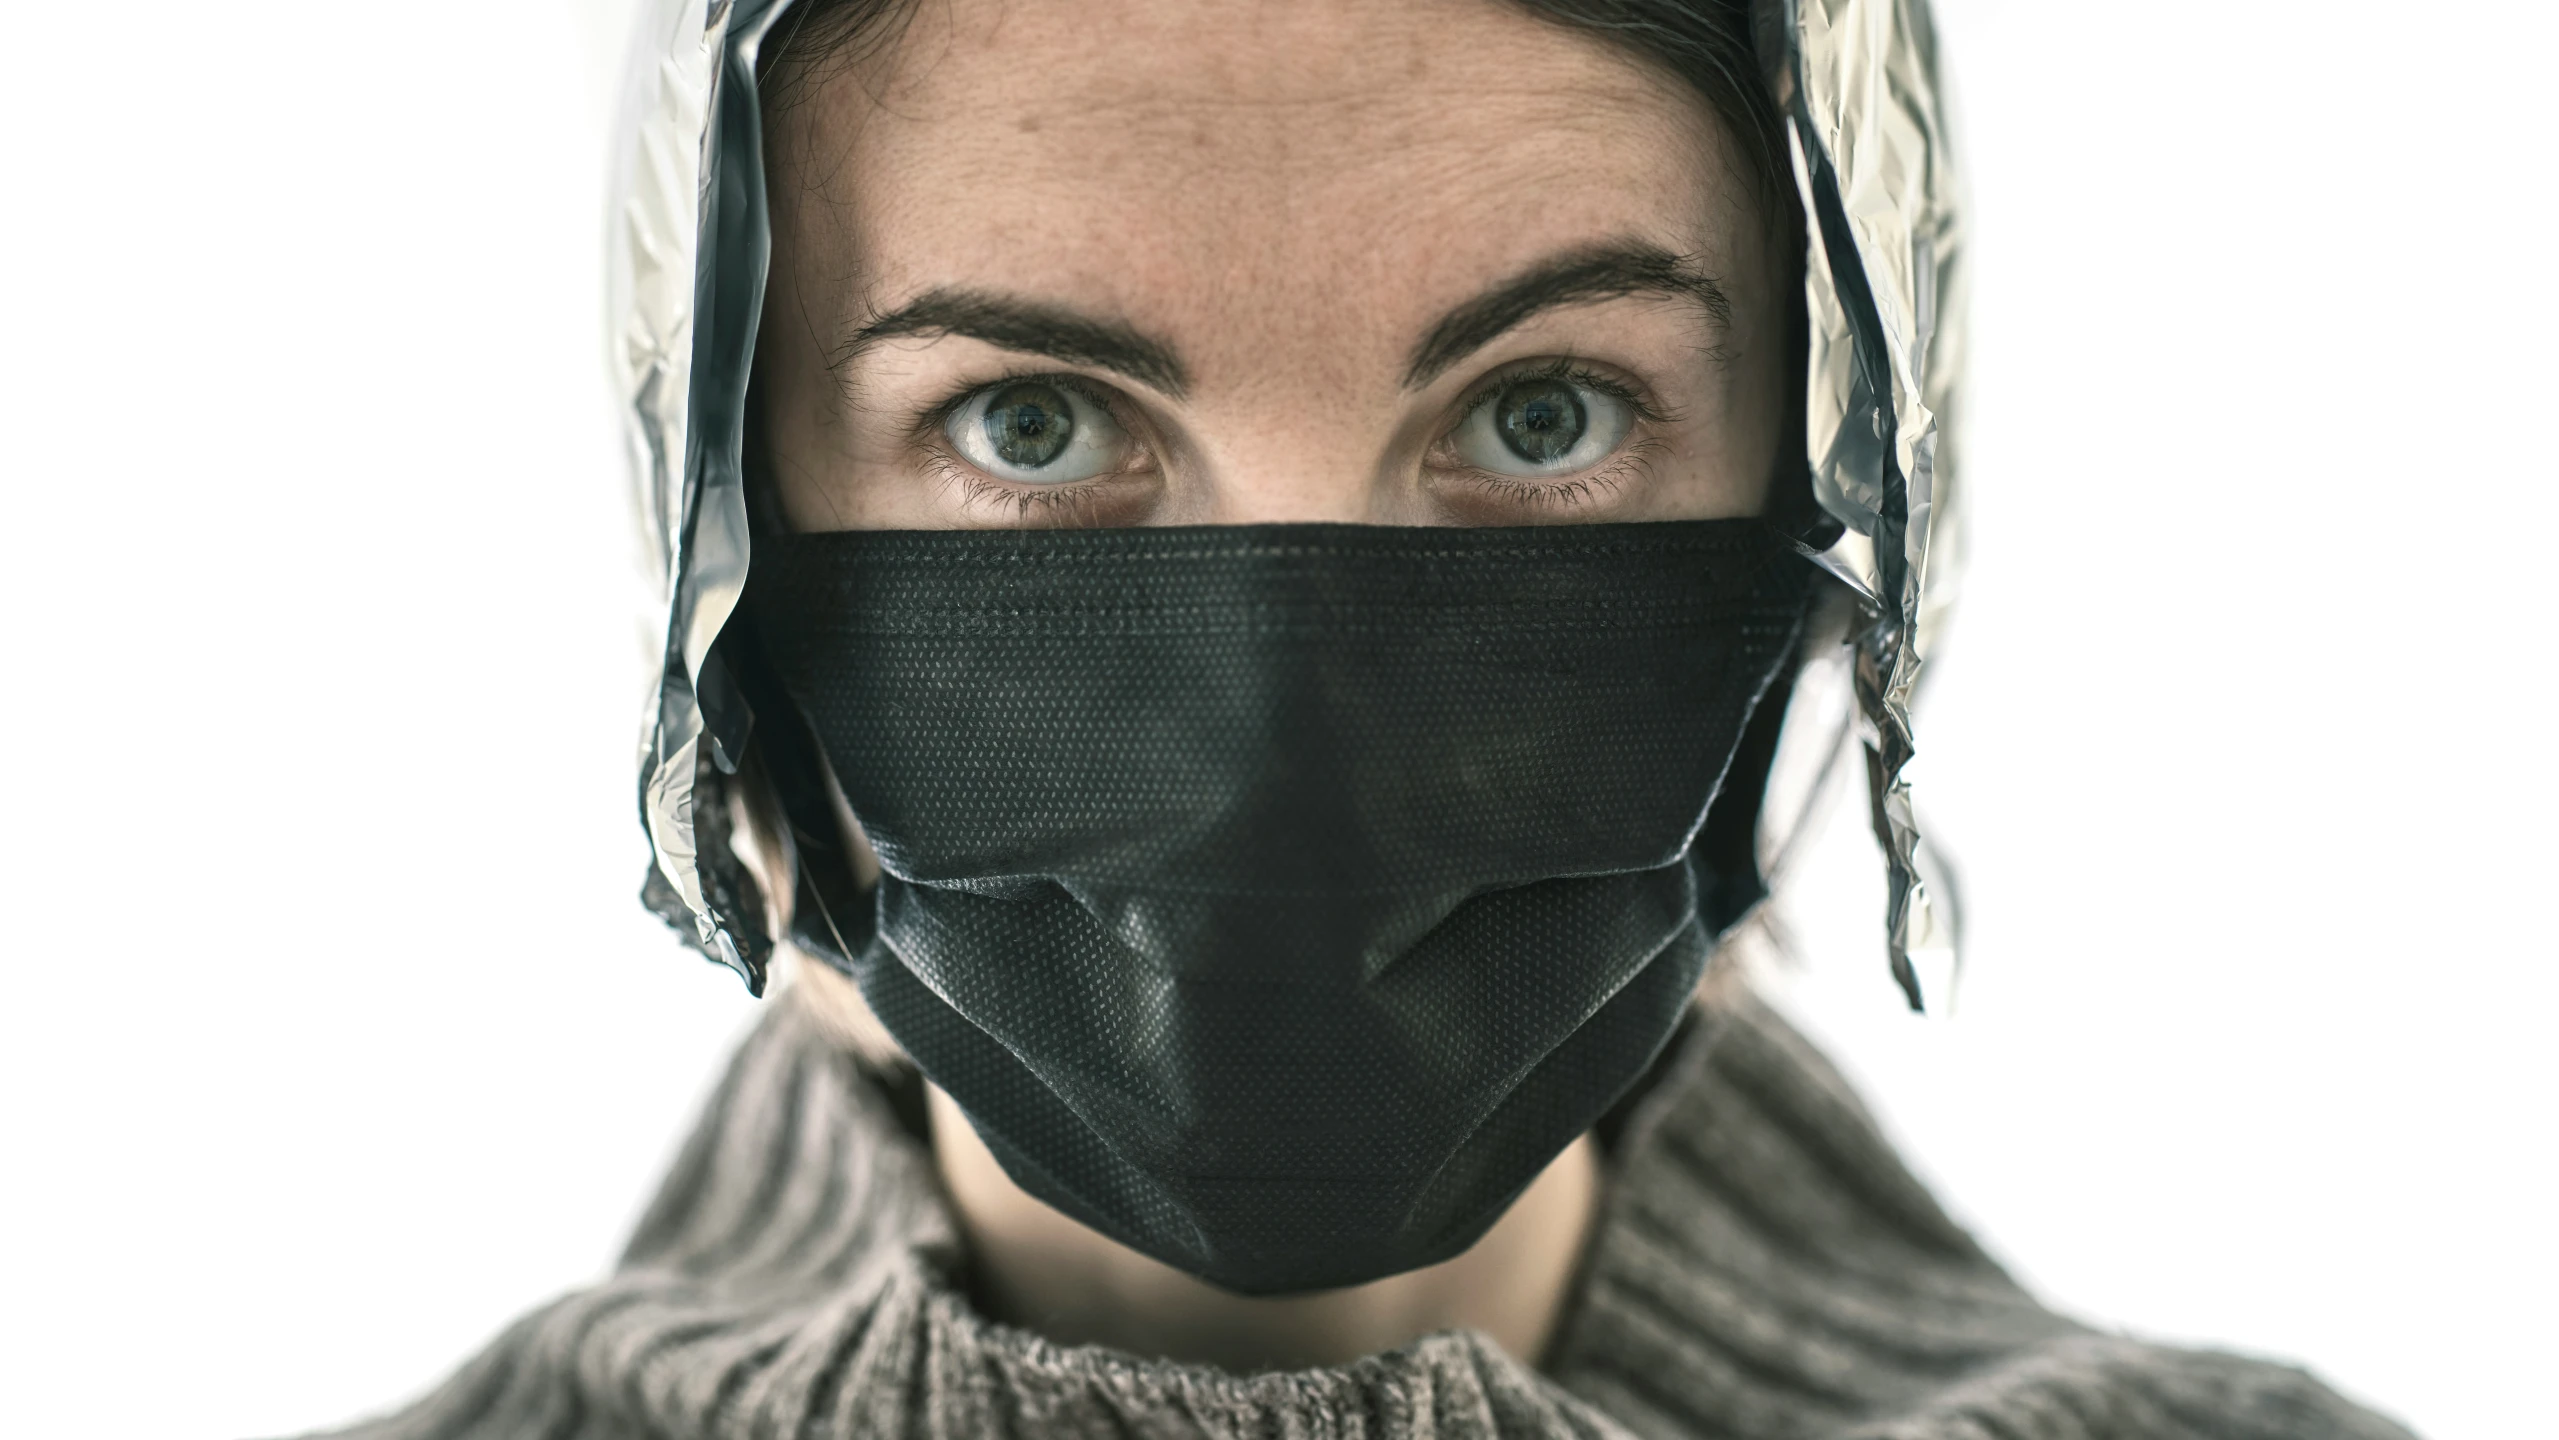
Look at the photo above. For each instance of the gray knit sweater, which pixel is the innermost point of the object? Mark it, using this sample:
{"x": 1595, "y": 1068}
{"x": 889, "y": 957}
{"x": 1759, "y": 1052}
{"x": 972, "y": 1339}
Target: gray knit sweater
{"x": 1765, "y": 1267}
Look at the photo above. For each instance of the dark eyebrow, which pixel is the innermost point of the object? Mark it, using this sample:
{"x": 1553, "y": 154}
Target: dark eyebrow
{"x": 1030, "y": 327}
{"x": 1575, "y": 277}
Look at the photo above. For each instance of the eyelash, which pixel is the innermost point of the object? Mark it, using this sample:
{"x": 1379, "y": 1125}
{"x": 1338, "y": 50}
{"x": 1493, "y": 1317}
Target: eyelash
{"x": 1075, "y": 501}
{"x": 1578, "y": 490}
{"x": 1563, "y": 494}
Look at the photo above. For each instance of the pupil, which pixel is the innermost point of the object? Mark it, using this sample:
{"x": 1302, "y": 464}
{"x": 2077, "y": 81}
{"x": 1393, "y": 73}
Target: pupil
{"x": 1029, "y": 424}
{"x": 1540, "y": 420}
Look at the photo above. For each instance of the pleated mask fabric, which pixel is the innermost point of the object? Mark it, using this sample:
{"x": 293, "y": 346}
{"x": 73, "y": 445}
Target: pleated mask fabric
{"x": 1280, "y": 900}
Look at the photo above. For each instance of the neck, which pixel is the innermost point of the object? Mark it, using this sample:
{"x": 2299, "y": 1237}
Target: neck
{"x": 1040, "y": 1270}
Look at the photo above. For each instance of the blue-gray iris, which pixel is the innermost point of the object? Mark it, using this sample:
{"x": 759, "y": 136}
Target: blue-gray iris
{"x": 1029, "y": 424}
{"x": 1540, "y": 420}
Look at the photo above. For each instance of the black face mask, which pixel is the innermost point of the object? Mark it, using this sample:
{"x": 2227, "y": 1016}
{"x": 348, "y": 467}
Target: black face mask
{"x": 1279, "y": 900}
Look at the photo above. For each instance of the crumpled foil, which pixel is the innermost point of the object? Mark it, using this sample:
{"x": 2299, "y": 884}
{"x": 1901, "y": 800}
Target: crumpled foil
{"x": 690, "y": 244}
{"x": 1867, "y": 127}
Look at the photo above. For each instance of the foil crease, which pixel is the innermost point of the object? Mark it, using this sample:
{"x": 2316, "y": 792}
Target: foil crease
{"x": 689, "y": 255}
{"x": 1867, "y": 135}
{"x": 690, "y": 243}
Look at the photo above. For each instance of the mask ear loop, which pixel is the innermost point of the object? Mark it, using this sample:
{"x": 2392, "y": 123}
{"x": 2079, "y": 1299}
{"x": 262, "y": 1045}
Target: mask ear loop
{"x": 1725, "y": 855}
{"x": 833, "y": 913}
{"x": 726, "y": 884}
{"x": 826, "y": 883}
{"x": 1812, "y": 770}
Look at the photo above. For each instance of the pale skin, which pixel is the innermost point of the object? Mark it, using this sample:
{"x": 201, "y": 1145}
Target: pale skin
{"x": 1261, "y": 263}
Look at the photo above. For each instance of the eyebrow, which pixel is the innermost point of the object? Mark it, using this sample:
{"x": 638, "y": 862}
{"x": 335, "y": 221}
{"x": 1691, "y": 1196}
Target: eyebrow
{"x": 1027, "y": 326}
{"x": 1574, "y": 277}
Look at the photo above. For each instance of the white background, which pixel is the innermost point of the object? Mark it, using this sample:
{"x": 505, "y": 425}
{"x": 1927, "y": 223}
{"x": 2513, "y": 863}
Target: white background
{"x": 332, "y": 1037}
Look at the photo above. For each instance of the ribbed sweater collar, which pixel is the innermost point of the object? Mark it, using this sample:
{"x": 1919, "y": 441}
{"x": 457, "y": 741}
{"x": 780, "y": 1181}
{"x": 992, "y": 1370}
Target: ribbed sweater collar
{"x": 1764, "y": 1267}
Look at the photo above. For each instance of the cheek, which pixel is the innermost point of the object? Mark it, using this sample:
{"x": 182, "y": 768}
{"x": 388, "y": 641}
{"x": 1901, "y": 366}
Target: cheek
{"x": 803, "y": 437}
{"x": 1714, "y": 457}
{"x": 839, "y": 458}
{"x": 793, "y": 411}
{"x": 831, "y": 470}
{"x": 1746, "y": 444}
{"x": 1754, "y": 388}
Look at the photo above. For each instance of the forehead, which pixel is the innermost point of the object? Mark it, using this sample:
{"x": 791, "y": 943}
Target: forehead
{"x": 1170, "y": 158}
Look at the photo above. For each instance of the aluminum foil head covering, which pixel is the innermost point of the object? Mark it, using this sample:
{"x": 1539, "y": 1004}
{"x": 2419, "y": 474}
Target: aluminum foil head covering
{"x": 1867, "y": 127}
{"x": 690, "y": 245}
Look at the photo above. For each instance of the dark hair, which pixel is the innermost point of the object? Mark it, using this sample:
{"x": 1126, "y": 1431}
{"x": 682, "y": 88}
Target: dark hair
{"x": 1709, "y": 44}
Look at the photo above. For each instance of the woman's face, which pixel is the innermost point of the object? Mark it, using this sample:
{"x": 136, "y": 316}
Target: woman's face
{"x": 1222, "y": 262}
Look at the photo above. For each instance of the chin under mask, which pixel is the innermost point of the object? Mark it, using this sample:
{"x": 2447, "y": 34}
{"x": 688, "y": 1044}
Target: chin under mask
{"x": 1279, "y": 900}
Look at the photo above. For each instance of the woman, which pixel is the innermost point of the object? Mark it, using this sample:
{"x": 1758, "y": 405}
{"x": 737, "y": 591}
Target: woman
{"x": 1240, "y": 618}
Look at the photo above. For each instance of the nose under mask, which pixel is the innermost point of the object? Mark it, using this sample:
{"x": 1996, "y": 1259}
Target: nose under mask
{"x": 1280, "y": 900}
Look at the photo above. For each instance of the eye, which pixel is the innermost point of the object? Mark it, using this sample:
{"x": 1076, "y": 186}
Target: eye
{"x": 1034, "y": 432}
{"x": 1542, "y": 425}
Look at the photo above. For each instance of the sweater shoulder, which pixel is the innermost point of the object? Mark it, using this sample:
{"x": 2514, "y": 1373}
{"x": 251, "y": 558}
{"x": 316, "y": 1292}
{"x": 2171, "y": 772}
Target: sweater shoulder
{"x": 1770, "y": 1267}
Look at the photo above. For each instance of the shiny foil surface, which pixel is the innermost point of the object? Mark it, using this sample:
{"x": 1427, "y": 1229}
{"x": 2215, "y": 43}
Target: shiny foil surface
{"x": 690, "y": 244}
{"x": 1866, "y": 124}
